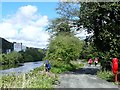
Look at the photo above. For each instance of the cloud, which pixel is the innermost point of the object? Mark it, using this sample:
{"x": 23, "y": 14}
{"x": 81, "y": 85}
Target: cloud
{"x": 26, "y": 26}
{"x": 82, "y": 33}
{"x": 27, "y": 11}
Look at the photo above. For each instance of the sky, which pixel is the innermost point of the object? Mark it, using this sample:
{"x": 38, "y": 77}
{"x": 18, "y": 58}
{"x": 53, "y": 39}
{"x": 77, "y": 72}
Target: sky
{"x": 25, "y": 22}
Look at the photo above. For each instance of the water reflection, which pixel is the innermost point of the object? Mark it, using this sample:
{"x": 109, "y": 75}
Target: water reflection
{"x": 27, "y": 67}
{"x": 4, "y": 67}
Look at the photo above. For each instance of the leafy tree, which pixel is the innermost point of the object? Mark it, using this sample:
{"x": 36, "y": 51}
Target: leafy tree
{"x": 68, "y": 10}
{"x": 58, "y": 25}
{"x": 64, "y": 47}
{"x": 1, "y": 59}
{"x": 100, "y": 18}
{"x": 103, "y": 19}
{"x": 89, "y": 51}
{"x": 32, "y": 54}
{"x": 27, "y": 58}
{"x": 11, "y": 58}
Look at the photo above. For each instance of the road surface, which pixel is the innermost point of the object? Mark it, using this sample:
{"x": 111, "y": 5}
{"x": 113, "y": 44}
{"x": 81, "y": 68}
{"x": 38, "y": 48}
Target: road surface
{"x": 84, "y": 78}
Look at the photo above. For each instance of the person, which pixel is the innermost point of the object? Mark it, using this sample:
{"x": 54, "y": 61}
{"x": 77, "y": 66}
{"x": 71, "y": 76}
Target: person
{"x": 90, "y": 61}
{"x": 96, "y": 61}
{"x": 47, "y": 66}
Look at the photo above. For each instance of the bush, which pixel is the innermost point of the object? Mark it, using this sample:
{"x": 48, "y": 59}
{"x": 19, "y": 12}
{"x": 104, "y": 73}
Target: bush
{"x": 11, "y": 58}
{"x": 32, "y": 54}
{"x": 64, "y": 48}
{"x": 108, "y": 76}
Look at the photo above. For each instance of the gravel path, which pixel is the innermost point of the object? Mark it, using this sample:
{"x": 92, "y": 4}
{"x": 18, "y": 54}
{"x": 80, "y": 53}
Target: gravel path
{"x": 84, "y": 78}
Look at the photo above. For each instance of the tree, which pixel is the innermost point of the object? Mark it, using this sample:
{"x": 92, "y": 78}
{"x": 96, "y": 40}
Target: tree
{"x": 100, "y": 18}
{"x": 103, "y": 19}
{"x": 58, "y": 25}
{"x": 64, "y": 48}
{"x": 11, "y": 58}
{"x": 32, "y": 54}
{"x": 68, "y": 10}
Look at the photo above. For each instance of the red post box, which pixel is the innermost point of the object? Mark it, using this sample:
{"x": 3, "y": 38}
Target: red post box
{"x": 115, "y": 67}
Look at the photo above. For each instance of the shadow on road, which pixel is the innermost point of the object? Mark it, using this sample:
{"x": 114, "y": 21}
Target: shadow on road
{"x": 86, "y": 70}
{"x": 92, "y": 71}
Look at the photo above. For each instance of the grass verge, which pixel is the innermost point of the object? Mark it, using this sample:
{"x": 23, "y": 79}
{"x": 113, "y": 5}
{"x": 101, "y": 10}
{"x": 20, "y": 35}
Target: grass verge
{"x": 37, "y": 78}
{"x": 34, "y": 79}
{"x": 108, "y": 76}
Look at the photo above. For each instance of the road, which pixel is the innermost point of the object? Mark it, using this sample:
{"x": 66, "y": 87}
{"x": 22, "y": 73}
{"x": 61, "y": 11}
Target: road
{"x": 84, "y": 78}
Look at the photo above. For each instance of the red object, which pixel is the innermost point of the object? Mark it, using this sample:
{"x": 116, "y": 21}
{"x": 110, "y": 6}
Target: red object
{"x": 90, "y": 61}
{"x": 115, "y": 67}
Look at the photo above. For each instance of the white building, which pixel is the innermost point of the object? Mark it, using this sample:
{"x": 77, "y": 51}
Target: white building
{"x": 19, "y": 47}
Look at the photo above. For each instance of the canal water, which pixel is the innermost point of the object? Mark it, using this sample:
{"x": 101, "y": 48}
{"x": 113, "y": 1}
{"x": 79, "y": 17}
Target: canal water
{"x": 27, "y": 67}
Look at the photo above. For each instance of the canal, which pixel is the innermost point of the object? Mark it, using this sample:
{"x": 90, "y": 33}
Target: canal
{"x": 25, "y": 68}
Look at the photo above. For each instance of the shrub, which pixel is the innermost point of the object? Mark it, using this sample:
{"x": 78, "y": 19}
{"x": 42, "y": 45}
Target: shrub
{"x": 11, "y": 58}
{"x": 64, "y": 48}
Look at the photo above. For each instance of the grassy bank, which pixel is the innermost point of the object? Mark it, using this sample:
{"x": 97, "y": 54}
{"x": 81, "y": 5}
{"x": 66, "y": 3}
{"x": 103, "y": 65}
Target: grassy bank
{"x": 34, "y": 79}
{"x": 108, "y": 76}
{"x": 37, "y": 78}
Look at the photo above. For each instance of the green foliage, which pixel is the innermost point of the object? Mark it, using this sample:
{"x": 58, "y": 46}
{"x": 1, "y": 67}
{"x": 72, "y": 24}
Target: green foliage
{"x": 8, "y": 66}
{"x": 1, "y": 59}
{"x": 63, "y": 48}
{"x": 32, "y": 54}
{"x": 11, "y": 58}
{"x": 68, "y": 10}
{"x": 35, "y": 54}
{"x": 60, "y": 67}
{"x": 58, "y": 25}
{"x": 27, "y": 58}
{"x": 102, "y": 18}
{"x": 107, "y": 75}
{"x": 34, "y": 79}
{"x": 89, "y": 51}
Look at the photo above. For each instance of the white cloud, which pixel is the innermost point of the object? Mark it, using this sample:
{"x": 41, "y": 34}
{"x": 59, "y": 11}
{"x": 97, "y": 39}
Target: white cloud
{"x": 82, "y": 33}
{"x": 27, "y": 11}
{"x": 7, "y": 30}
{"x": 26, "y": 26}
